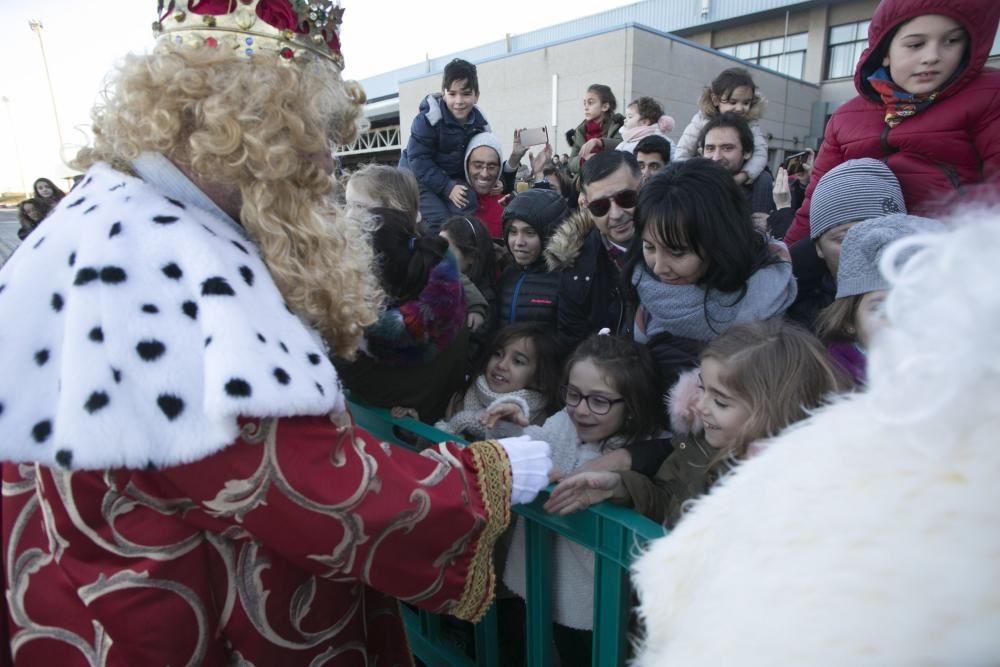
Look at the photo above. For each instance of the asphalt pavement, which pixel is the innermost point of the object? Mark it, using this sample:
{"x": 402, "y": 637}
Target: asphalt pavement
{"x": 8, "y": 233}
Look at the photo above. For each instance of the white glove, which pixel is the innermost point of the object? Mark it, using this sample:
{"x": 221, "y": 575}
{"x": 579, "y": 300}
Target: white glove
{"x": 529, "y": 467}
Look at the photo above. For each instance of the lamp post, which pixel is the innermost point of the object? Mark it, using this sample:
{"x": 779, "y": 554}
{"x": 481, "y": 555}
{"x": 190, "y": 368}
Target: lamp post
{"x": 17, "y": 149}
{"x": 36, "y": 27}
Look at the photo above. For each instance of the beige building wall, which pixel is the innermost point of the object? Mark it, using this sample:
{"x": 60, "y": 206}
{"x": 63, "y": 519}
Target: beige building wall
{"x": 851, "y": 12}
{"x": 516, "y": 91}
{"x": 763, "y": 29}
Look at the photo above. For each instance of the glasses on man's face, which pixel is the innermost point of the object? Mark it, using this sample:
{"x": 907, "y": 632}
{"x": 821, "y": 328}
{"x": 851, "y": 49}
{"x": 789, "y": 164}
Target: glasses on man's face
{"x": 625, "y": 199}
{"x": 599, "y": 405}
{"x": 488, "y": 167}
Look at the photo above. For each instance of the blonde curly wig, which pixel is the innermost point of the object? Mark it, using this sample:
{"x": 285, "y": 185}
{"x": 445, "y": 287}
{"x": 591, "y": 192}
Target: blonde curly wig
{"x": 254, "y": 124}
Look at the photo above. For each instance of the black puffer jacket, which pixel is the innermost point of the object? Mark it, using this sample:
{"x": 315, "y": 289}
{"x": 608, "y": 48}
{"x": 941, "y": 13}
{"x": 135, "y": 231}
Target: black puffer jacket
{"x": 528, "y": 295}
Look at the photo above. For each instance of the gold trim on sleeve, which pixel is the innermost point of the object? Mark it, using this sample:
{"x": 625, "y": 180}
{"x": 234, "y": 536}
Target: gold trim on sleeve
{"x": 495, "y": 484}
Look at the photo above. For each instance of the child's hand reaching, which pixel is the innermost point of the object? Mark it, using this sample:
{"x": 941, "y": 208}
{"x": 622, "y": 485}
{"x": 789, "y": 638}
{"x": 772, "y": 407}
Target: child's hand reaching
{"x": 459, "y": 196}
{"x": 508, "y": 411}
{"x": 580, "y": 491}
{"x": 399, "y": 412}
{"x": 741, "y": 178}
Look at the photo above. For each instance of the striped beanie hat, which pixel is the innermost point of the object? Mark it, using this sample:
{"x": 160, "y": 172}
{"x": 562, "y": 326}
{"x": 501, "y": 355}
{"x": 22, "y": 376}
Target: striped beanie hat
{"x": 854, "y": 190}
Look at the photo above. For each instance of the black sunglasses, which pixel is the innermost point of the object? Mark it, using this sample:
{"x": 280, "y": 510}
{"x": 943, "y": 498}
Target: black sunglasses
{"x": 625, "y": 199}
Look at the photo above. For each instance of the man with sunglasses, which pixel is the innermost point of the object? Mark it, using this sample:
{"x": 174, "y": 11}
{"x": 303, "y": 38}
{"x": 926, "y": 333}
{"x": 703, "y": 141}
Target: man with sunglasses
{"x": 589, "y": 249}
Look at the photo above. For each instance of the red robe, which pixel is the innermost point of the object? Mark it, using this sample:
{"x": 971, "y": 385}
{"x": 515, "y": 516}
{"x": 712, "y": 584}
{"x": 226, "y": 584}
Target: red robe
{"x": 288, "y": 546}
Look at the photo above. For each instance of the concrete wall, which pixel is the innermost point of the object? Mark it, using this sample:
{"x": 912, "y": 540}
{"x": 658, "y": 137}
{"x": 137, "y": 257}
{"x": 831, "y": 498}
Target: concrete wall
{"x": 852, "y": 11}
{"x": 763, "y": 29}
{"x": 516, "y": 91}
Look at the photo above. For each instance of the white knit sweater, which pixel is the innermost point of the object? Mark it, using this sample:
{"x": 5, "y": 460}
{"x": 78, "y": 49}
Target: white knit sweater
{"x": 572, "y": 577}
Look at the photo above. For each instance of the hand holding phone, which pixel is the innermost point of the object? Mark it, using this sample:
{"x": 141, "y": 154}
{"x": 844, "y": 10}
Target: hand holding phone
{"x": 796, "y": 159}
{"x": 534, "y": 136}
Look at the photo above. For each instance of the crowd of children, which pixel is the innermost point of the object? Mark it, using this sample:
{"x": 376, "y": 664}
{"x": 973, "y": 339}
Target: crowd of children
{"x": 721, "y": 335}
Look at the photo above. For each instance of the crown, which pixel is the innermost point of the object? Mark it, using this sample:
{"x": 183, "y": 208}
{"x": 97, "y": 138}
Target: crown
{"x": 293, "y": 29}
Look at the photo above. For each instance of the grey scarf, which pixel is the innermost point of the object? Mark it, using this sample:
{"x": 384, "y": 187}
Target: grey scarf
{"x": 684, "y": 310}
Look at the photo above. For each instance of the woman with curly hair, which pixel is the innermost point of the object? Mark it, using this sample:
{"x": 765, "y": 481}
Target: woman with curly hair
{"x": 193, "y": 487}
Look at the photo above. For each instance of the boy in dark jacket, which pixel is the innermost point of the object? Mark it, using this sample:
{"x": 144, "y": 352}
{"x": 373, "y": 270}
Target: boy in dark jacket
{"x": 527, "y": 292}
{"x": 439, "y": 135}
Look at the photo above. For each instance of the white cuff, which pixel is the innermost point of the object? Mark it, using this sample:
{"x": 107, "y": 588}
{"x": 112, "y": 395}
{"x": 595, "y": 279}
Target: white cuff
{"x": 530, "y": 465}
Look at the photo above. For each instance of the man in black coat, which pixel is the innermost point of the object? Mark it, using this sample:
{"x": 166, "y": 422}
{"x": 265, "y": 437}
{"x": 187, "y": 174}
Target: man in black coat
{"x": 589, "y": 248}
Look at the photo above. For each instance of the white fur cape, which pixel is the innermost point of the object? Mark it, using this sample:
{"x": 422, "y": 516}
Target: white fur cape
{"x": 135, "y": 329}
{"x": 869, "y": 534}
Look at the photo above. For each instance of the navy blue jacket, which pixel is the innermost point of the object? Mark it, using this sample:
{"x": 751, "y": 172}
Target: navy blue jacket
{"x": 528, "y": 295}
{"x": 435, "y": 151}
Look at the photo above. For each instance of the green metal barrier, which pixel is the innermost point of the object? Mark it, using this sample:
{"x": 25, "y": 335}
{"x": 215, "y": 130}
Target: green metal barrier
{"x": 615, "y": 535}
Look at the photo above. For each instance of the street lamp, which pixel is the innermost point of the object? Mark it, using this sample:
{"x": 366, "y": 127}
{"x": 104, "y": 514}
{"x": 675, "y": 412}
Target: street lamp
{"x": 36, "y": 27}
{"x": 17, "y": 149}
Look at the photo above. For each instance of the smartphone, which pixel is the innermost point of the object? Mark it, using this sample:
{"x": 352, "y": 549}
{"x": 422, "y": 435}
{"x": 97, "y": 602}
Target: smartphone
{"x": 534, "y": 136}
{"x": 796, "y": 158}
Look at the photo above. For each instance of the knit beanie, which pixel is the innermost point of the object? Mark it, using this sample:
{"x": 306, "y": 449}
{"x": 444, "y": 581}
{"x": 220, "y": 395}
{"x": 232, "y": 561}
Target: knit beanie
{"x": 483, "y": 139}
{"x": 854, "y": 190}
{"x": 863, "y": 247}
{"x": 541, "y": 208}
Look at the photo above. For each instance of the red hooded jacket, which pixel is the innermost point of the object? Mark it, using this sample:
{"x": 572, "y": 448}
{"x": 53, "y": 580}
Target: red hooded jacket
{"x": 952, "y": 144}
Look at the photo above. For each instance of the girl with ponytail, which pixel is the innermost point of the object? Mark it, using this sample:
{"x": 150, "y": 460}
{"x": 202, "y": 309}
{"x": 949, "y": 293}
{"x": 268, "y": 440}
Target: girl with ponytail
{"x": 415, "y": 353}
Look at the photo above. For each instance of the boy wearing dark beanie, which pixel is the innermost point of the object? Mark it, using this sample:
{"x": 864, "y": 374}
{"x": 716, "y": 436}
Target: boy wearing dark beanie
{"x": 527, "y": 291}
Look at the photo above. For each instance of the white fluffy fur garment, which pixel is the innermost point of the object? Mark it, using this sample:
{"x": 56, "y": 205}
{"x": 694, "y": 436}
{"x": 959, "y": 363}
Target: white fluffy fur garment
{"x": 869, "y": 534}
{"x": 134, "y": 329}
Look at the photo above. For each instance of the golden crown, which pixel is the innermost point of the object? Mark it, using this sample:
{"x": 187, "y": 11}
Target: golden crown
{"x": 291, "y": 28}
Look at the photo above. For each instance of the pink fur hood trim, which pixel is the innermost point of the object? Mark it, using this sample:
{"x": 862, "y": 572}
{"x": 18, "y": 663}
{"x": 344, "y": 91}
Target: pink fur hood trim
{"x": 682, "y": 402}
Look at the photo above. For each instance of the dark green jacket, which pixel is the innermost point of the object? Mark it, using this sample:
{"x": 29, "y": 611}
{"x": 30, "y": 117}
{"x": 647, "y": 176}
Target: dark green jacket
{"x": 611, "y": 132}
{"x": 683, "y": 476}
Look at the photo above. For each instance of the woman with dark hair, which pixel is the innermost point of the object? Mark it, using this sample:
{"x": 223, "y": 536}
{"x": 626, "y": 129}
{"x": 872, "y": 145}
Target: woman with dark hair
{"x": 414, "y": 355}
{"x": 48, "y": 193}
{"x": 30, "y": 212}
{"x": 700, "y": 266}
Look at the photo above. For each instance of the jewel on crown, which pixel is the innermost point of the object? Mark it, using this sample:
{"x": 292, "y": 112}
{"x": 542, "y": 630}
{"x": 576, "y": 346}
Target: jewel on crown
{"x": 293, "y": 29}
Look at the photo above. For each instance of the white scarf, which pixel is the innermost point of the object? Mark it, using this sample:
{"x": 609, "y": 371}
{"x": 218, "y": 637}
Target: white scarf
{"x": 135, "y": 328}
{"x": 480, "y": 398}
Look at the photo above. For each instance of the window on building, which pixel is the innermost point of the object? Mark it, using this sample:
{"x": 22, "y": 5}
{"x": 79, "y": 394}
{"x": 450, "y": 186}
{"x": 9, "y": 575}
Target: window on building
{"x": 846, "y": 44}
{"x": 783, "y": 54}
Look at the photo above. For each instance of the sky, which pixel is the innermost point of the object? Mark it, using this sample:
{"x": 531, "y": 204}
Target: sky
{"x": 83, "y": 40}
